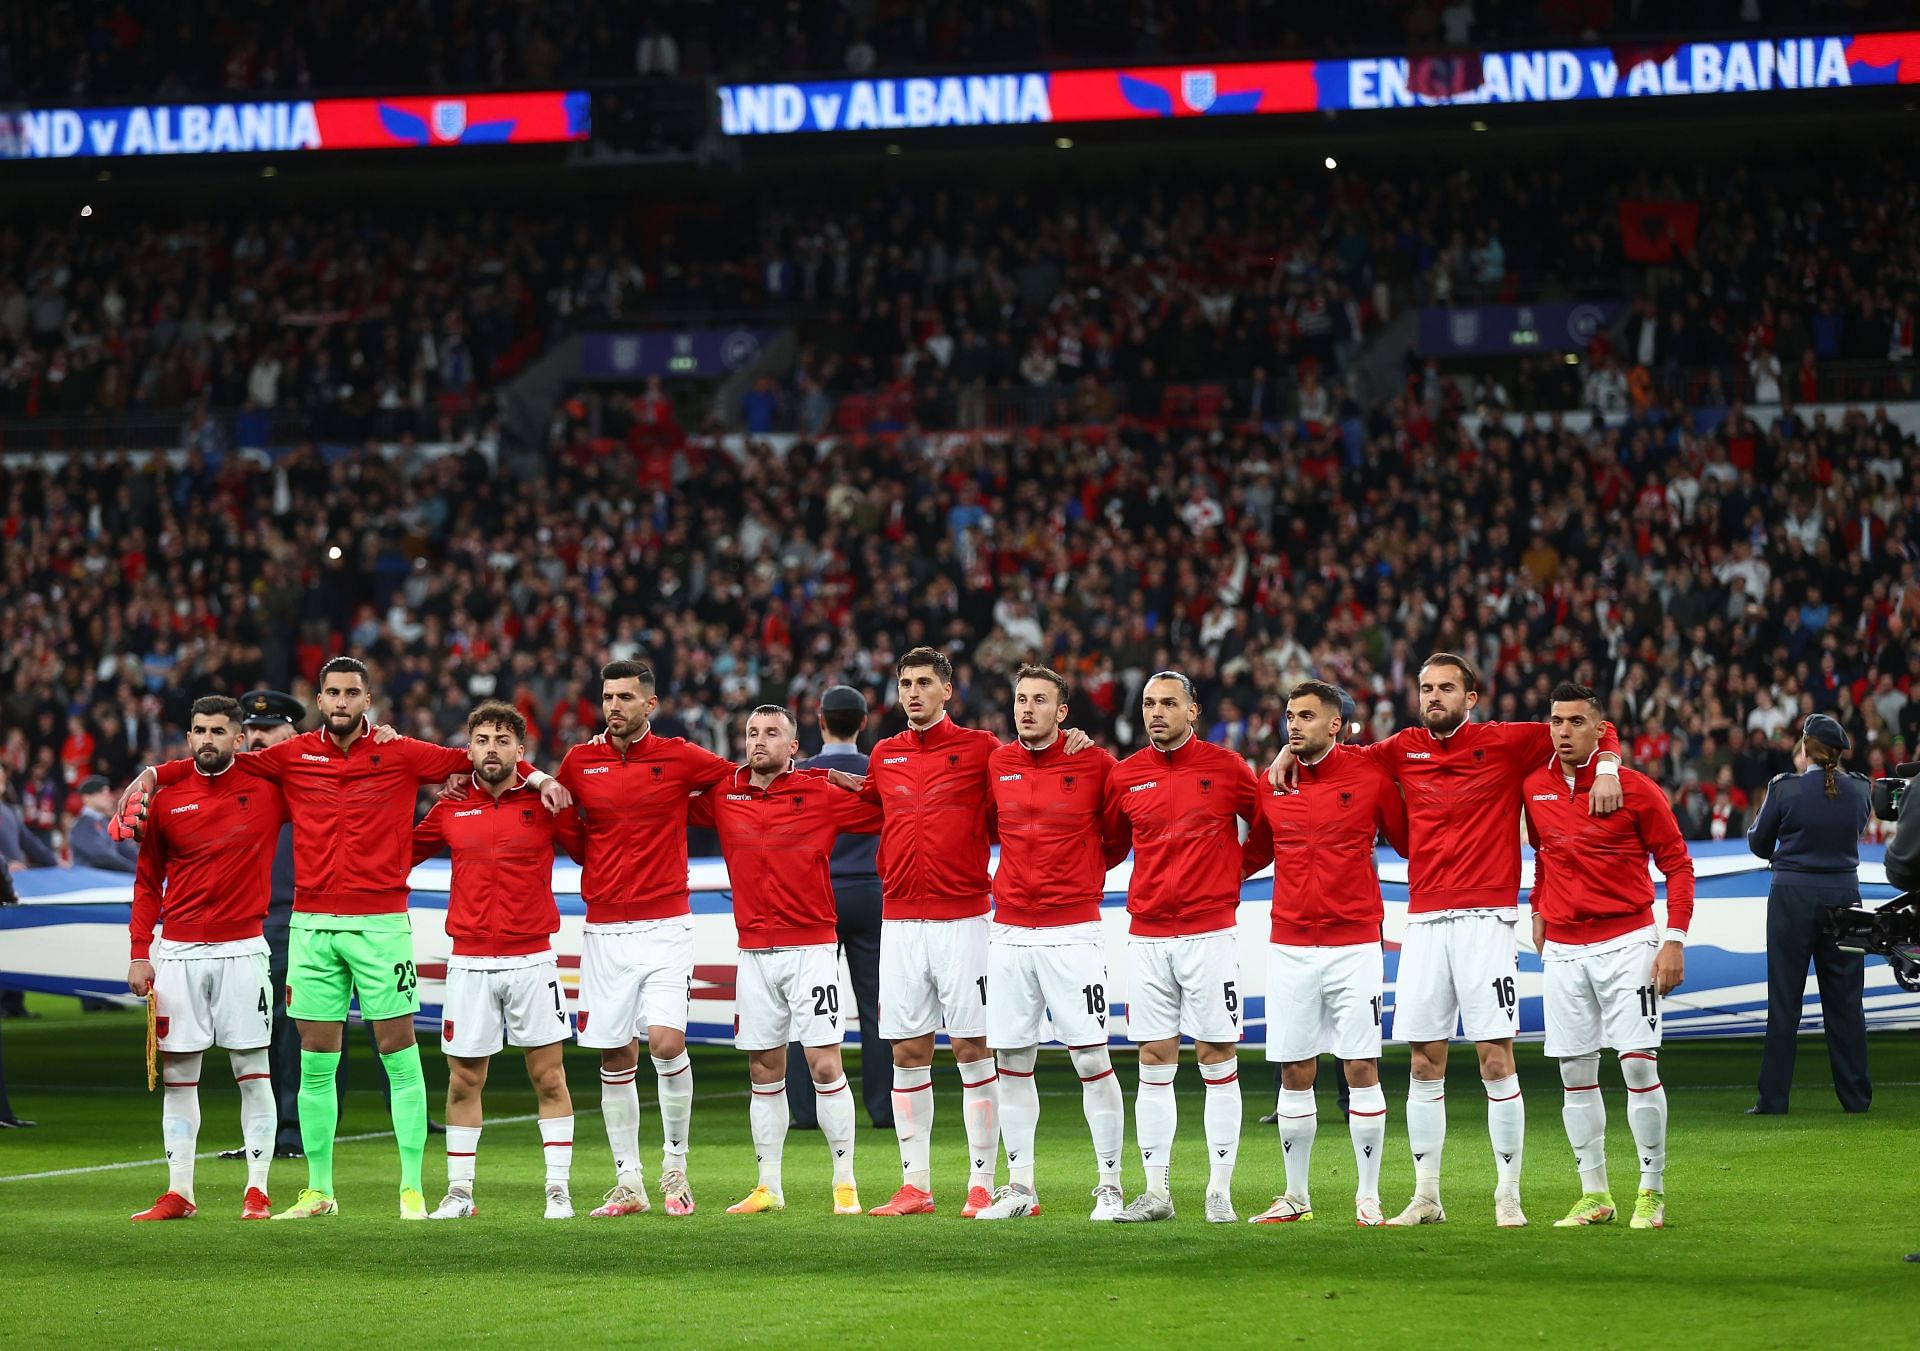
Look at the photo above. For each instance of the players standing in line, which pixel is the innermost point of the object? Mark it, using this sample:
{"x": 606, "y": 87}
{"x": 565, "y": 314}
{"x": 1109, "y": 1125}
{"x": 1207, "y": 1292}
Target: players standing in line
{"x": 1178, "y": 801}
{"x": 931, "y": 782}
{"x": 1047, "y": 951}
{"x": 1458, "y": 966}
{"x": 1325, "y": 978}
{"x": 351, "y": 796}
{"x": 203, "y": 876}
{"x": 503, "y": 982}
{"x": 1606, "y": 968}
{"x": 636, "y": 959}
{"x": 777, "y": 825}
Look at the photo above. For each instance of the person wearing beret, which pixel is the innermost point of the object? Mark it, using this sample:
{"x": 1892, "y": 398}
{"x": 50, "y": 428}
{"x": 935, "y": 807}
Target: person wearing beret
{"x": 92, "y": 846}
{"x": 1809, "y": 828}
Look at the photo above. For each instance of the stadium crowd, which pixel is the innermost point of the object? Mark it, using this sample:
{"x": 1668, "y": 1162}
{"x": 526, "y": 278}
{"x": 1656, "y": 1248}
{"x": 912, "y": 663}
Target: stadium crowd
{"x": 164, "y": 51}
{"x": 1715, "y": 587}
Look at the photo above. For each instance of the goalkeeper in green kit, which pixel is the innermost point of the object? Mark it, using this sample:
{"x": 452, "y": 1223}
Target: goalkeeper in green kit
{"x": 351, "y": 795}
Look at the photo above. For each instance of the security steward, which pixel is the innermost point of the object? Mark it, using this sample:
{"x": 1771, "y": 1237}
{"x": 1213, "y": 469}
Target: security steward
{"x": 856, "y": 900}
{"x": 1809, "y": 828}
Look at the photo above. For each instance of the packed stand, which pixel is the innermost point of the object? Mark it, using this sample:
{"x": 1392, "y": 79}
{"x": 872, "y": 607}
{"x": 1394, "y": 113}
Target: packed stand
{"x": 352, "y": 329}
{"x": 1716, "y": 588}
{"x": 146, "y": 48}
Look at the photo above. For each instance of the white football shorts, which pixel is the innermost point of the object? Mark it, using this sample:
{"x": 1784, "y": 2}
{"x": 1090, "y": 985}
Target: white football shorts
{"x": 783, "y": 995}
{"x": 933, "y": 971}
{"x": 1188, "y": 986}
{"x": 1324, "y": 999}
{"x": 1457, "y": 973}
{"x": 634, "y": 975}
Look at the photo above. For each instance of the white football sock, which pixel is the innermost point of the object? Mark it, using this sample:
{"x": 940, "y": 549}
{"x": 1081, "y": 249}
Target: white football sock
{"x": 833, "y": 1107}
{"x": 1299, "y": 1121}
{"x": 1506, "y": 1127}
{"x": 1367, "y": 1124}
{"x": 180, "y": 1119}
{"x": 675, "y": 1078}
{"x": 1427, "y": 1133}
{"x": 1105, "y": 1107}
{"x": 258, "y": 1120}
{"x": 620, "y": 1114}
{"x": 1019, "y": 1112}
{"x": 556, "y": 1143}
{"x": 1584, "y": 1113}
{"x": 1647, "y": 1115}
{"x": 1221, "y": 1119}
{"x": 1155, "y": 1117}
{"x": 463, "y": 1150}
{"x": 767, "y": 1114}
{"x": 980, "y": 1103}
{"x": 913, "y": 1124}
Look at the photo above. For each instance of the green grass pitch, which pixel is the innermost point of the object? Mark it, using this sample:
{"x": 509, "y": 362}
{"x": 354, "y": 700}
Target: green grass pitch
{"x": 1784, "y": 1231}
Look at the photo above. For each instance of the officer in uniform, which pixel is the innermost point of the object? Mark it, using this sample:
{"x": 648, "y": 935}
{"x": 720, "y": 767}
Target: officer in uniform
{"x": 856, "y": 899}
{"x": 1809, "y": 828}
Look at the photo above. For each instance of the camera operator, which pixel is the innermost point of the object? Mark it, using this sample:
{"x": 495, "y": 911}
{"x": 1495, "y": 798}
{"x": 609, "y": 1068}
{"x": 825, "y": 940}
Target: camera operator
{"x": 1809, "y": 827}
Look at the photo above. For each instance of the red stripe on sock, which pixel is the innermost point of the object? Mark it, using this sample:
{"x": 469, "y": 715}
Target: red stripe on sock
{"x": 1096, "y": 1078}
{"x": 1381, "y": 1112}
{"x": 828, "y": 1092}
{"x": 674, "y": 1074}
{"x": 1580, "y": 1088}
{"x": 1019, "y": 1074}
{"x": 559, "y": 1144}
{"x": 769, "y": 1092}
{"x": 913, "y": 1088}
{"x": 460, "y": 1154}
{"x": 192, "y": 1083}
{"x": 1638, "y": 1055}
{"x": 1490, "y": 1098}
{"x": 1215, "y": 1083}
{"x": 617, "y": 1078}
{"x": 982, "y": 1083}
{"x": 1648, "y": 1089}
{"x": 1090, "y": 1046}
{"x": 243, "y": 1078}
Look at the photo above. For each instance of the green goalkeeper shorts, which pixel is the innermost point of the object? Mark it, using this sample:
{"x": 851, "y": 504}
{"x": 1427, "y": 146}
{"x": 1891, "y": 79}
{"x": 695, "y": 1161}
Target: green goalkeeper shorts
{"x": 327, "y": 966}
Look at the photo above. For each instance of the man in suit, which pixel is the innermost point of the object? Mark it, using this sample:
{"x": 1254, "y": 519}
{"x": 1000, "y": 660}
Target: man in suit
{"x": 91, "y": 846}
{"x": 856, "y": 896}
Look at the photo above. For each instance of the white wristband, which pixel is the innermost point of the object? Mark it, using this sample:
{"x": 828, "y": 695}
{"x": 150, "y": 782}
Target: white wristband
{"x": 538, "y": 779}
{"x": 1677, "y": 936}
{"x": 1607, "y": 767}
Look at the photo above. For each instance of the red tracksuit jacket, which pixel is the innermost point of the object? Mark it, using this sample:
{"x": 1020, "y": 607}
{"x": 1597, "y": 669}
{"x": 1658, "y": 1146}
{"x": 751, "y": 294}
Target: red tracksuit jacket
{"x": 1177, "y": 808}
{"x": 634, "y": 806}
{"x": 1326, "y": 890}
{"x": 352, "y": 813}
{"x": 1054, "y": 853}
{"x": 778, "y": 842}
{"x": 501, "y": 903}
{"x": 933, "y": 787}
{"x": 1590, "y": 872}
{"x": 1463, "y": 808}
{"x": 206, "y": 864}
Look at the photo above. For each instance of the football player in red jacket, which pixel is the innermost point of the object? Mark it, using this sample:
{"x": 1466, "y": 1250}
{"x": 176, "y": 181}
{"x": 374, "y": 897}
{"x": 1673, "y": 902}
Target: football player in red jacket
{"x": 503, "y": 980}
{"x": 1606, "y": 967}
{"x": 1179, "y": 801}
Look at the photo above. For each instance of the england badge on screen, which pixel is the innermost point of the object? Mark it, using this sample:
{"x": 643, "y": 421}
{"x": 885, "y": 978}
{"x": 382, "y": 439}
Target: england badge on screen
{"x": 1198, "y": 88}
{"x": 449, "y": 119}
